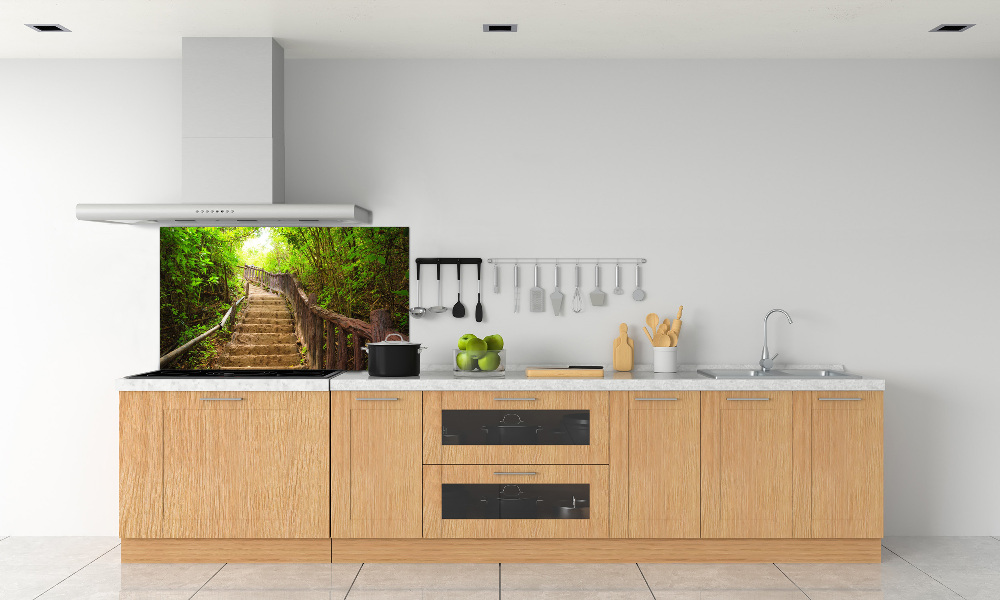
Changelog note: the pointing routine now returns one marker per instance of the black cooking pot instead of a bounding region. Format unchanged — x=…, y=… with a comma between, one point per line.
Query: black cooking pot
x=393, y=358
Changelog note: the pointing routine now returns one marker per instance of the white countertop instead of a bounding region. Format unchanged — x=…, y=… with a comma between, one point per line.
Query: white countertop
x=640, y=379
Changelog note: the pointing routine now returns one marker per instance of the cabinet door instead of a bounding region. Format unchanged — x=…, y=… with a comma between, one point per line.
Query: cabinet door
x=847, y=464
x=376, y=465
x=663, y=458
x=246, y=465
x=140, y=468
x=746, y=481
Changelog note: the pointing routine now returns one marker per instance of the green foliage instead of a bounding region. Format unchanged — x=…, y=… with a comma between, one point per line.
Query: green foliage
x=352, y=270
x=199, y=281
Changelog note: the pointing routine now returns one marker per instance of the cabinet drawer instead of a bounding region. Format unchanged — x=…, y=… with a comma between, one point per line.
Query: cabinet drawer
x=515, y=501
x=240, y=400
x=516, y=427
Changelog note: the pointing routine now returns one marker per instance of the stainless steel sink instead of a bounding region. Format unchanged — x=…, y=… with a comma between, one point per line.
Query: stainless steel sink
x=777, y=374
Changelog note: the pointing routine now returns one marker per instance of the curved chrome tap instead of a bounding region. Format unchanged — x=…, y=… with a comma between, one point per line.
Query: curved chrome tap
x=766, y=360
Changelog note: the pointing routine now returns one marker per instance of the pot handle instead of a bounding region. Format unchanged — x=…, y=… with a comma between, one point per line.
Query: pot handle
x=421, y=349
x=364, y=348
x=400, y=336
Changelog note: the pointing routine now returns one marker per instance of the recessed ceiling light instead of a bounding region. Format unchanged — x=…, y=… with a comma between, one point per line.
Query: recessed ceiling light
x=50, y=27
x=507, y=27
x=952, y=27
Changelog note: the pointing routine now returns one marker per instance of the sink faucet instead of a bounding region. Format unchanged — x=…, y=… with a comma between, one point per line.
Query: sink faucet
x=766, y=360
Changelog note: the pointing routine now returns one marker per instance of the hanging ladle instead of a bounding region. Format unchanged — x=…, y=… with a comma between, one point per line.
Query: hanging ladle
x=439, y=308
x=418, y=311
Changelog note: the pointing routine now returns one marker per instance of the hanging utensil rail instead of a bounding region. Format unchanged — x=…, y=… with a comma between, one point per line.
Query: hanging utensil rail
x=566, y=261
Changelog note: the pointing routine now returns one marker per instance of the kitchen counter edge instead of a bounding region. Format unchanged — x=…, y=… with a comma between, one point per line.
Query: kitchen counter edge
x=445, y=381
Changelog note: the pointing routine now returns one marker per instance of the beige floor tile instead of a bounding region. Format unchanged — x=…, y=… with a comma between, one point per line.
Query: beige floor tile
x=714, y=577
x=136, y=577
x=568, y=577
x=841, y=577
x=424, y=594
x=234, y=576
x=25, y=582
x=426, y=581
x=750, y=595
x=67, y=551
x=271, y=594
x=958, y=552
x=971, y=584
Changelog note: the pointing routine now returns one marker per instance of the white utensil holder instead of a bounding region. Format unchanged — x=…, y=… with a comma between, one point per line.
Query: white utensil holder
x=664, y=359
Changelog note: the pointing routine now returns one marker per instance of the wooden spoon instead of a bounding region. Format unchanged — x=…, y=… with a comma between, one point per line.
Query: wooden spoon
x=661, y=338
x=653, y=321
x=649, y=336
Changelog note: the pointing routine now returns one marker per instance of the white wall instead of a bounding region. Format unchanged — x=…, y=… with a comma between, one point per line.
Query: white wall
x=860, y=196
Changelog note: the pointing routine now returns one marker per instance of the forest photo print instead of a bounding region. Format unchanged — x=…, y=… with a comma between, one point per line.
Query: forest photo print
x=345, y=272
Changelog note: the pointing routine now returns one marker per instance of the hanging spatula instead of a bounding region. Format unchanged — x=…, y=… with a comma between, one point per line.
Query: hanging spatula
x=556, y=296
x=597, y=297
x=536, y=295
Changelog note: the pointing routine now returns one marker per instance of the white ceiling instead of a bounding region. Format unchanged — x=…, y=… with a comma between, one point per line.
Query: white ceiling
x=546, y=28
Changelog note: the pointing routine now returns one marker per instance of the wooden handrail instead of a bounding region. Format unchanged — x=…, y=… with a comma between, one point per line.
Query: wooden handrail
x=316, y=325
x=171, y=356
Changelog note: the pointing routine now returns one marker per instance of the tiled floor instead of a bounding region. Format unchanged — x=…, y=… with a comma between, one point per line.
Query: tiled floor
x=913, y=568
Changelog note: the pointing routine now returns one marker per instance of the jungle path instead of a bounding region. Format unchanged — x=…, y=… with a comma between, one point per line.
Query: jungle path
x=265, y=336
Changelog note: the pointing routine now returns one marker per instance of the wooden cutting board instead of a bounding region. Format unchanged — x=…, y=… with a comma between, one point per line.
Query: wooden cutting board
x=623, y=350
x=563, y=372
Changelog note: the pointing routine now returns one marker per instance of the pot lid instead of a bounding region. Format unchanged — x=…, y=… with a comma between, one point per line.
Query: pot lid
x=389, y=342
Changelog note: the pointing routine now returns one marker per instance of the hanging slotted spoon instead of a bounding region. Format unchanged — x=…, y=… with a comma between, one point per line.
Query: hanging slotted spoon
x=459, y=310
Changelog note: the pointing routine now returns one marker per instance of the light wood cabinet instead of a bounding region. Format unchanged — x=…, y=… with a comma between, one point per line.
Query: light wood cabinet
x=663, y=464
x=843, y=497
x=375, y=483
x=225, y=465
x=746, y=465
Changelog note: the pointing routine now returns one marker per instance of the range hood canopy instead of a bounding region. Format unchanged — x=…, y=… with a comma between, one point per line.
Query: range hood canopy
x=233, y=145
x=287, y=215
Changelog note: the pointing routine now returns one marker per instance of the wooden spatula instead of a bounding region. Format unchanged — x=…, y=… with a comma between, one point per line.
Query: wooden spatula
x=661, y=338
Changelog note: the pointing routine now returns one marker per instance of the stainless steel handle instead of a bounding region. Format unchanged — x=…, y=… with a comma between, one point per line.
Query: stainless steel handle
x=656, y=399
x=224, y=399
x=514, y=473
x=757, y=399
x=377, y=399
x=846, y=399
x=515, y=399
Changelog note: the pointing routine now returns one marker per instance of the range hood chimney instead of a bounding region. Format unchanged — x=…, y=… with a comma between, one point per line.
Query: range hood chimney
x=233, y=144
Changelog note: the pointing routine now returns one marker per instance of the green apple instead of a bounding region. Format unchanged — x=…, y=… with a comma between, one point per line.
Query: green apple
x=465, y=361
x=476, y=347
x=490, y=361
x=462, y=341
x=494, y=342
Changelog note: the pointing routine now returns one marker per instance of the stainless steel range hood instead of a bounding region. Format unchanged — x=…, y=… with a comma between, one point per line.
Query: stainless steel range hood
x=233, y=168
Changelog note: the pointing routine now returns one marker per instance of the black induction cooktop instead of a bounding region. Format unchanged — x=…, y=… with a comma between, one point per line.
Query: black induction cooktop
x=239, y=374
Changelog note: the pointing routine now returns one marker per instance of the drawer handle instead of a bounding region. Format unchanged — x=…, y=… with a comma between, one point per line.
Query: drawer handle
x=514, y=473
x=840, y=399
x=656, y=399
x=515, y=399
x=743, y=399
x=223, y=399
x=377, y=399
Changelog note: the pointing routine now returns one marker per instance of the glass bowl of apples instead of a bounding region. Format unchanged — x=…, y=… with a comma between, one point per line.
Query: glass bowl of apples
x=476, y=357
